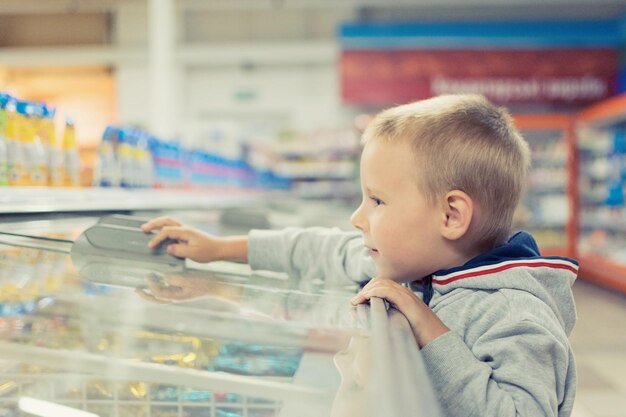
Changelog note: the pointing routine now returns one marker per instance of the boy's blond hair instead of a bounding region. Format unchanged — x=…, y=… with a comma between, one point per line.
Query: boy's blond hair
x=463, y=142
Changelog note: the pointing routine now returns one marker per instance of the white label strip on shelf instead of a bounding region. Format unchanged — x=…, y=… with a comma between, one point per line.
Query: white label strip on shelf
x=47, y=199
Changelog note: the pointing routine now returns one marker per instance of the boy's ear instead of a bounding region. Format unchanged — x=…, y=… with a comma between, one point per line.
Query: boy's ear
x=459, y=210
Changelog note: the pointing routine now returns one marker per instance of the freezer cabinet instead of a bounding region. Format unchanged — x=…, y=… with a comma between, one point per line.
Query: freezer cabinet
x=218, y=341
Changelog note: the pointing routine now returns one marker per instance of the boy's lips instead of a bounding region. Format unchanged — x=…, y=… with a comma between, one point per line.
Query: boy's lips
x=371, y=251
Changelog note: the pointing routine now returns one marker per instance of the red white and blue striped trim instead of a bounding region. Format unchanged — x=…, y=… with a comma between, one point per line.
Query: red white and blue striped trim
x=555, y=263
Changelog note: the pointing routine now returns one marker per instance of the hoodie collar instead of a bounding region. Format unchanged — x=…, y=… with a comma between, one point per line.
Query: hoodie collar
x=520, y=251
x=517, y=265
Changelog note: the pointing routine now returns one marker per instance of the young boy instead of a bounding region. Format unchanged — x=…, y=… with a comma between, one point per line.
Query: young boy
x=440, y=180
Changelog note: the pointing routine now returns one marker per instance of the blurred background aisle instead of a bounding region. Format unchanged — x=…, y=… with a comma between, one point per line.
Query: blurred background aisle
x=599, y=341
x=250, y=112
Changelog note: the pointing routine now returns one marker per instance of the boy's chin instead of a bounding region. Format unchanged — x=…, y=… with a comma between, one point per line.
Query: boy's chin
x=392, y=276
x=397, y=276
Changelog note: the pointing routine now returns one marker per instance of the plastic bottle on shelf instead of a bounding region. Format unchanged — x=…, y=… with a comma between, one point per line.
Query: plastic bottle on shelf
x=125, y=155
x=54, y=155
x=144, y=166
x=15, y=157
x=136, y=156
x=171, y=163
x=107, y=168
x=34, y=151
x=4, y=157
x=19, y=173
x=183, y=154
x=71, y=162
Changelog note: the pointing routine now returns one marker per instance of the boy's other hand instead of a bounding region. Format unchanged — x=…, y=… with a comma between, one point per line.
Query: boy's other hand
x=190, y=243
x=159, y=223
x=425, y=324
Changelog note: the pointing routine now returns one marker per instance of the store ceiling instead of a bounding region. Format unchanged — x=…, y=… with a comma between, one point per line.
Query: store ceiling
x=376, y=9
x=43, y=23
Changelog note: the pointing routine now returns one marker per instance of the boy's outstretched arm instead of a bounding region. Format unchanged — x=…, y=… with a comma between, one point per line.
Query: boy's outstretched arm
x=194, y=244
x=330, y=254
x=425, y=324
x=309, y=253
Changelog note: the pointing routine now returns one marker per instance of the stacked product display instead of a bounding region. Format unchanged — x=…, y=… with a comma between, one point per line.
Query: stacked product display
x=546, y=209
x=318, y=165
x=130, y=157
x=30, y=154
x=322, y=164
x=602, y=185
x=576, y=200
x=602, y=180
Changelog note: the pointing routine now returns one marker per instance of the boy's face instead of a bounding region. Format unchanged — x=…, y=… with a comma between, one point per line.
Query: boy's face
x=400, y=226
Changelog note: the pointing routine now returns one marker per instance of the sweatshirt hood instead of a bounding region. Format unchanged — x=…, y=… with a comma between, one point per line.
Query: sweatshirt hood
x=518, y=265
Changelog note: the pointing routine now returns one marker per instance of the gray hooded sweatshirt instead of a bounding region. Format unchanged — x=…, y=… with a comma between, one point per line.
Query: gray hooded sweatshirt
x=509, y=310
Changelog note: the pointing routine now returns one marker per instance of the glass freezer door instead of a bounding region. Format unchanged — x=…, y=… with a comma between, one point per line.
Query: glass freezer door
x=129, y=341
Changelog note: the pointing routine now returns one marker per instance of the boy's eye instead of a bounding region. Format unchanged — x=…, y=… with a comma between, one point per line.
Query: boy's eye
x=377, y=201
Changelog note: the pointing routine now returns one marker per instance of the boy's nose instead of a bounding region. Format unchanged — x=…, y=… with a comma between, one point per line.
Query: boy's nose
x=357, y=218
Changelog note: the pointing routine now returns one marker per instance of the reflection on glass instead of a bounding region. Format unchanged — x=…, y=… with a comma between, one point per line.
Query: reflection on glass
x=354, y=365
x=117, y=337
x=57, y=322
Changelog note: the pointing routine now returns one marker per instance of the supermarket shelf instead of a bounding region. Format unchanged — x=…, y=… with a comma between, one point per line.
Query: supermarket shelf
x=543, y=121
x=547, y=160
x=600, y=270
x=72, y=55
x=605, y=113
x=605, y=225
x=562, y=125
x=23, y=200
x=562, y=252
x=535, y=224
x=549, y=189
x=223, y=53
x=593, y=267
x=592, y=202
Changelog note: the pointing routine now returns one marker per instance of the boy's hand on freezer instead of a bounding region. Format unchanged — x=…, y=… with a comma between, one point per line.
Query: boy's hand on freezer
x=159, y=223
x=425, y=324
x=194, y=244
x=189, y=243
